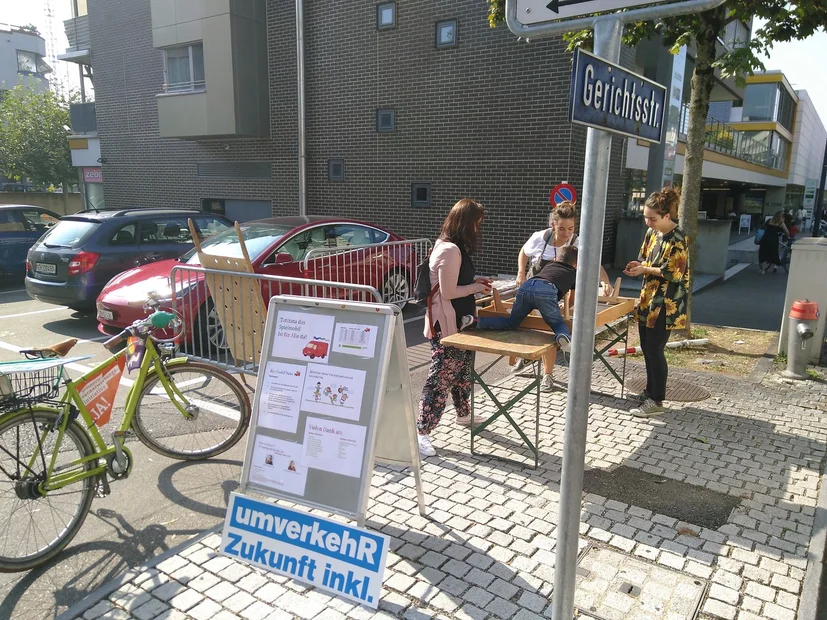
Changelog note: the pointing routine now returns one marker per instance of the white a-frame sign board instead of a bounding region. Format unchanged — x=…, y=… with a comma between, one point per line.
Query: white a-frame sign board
x=333, y=395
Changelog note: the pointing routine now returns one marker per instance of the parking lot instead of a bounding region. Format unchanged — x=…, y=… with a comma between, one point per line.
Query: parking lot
x=161, y=504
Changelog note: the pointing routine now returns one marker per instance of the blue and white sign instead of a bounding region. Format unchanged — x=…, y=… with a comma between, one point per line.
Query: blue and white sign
x=607, y=96
x=347, y=561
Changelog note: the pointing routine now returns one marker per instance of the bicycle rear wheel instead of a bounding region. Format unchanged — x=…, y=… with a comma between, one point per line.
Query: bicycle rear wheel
x=219, y=407
x=34, y=528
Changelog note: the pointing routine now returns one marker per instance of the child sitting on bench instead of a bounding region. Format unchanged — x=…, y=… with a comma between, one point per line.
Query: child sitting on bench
x=543, y=292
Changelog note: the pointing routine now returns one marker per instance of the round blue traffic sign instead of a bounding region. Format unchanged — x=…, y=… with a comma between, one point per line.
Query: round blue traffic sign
x=562, y=193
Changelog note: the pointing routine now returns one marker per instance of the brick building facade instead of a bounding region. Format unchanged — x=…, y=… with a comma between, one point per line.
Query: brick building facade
x=486, y=119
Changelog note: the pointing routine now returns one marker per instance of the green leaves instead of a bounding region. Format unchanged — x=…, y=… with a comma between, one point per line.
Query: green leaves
x=33, y=136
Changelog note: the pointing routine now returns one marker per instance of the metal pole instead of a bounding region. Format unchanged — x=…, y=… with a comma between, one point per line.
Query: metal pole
x=300, y=78
x=607, y=39
x=818, y=208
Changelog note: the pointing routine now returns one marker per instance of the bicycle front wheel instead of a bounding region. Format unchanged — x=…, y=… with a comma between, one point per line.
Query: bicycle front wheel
x=218, y=412
x=35, y=527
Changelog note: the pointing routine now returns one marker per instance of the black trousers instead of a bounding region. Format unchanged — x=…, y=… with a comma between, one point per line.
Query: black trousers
x=653, y=342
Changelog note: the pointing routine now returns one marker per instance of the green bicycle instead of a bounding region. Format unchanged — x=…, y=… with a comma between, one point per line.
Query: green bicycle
x=53, y=460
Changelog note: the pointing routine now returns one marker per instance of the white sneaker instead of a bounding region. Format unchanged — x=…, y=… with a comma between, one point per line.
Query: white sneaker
x=648, y=409
x=425, y=446
x=521, y=366
x=564, y=342
x=465, y=420
x=547, y=384
x=468, y=320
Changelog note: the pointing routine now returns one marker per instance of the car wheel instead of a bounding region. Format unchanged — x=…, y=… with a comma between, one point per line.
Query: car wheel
x=396, y=289
x=209, y=335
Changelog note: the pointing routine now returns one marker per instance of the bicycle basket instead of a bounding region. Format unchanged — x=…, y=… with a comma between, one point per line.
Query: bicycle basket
x=23, y=384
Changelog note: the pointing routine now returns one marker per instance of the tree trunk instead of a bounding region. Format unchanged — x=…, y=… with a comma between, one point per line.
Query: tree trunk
x=703, y=79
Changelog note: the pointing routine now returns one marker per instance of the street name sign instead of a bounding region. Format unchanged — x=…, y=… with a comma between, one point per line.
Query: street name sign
x=607, y=96
x=538, y=11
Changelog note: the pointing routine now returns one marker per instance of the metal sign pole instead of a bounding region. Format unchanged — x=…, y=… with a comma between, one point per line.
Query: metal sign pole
x=607, y=40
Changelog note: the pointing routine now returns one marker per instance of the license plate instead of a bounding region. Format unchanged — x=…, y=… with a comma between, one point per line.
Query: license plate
x=45, y=268
x=106, y=315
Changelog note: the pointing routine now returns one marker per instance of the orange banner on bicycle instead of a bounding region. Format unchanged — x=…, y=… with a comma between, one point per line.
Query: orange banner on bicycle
x=98, y=391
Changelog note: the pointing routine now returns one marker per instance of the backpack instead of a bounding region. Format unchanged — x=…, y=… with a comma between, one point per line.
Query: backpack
x=423, y=289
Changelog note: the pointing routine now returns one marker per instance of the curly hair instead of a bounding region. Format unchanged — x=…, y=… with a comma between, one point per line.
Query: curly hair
x=564, y=211
x=462, y=225
x=664, y=202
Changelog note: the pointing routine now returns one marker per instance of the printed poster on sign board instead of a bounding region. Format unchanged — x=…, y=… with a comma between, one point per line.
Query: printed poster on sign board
x=98, y=391
x=334, y=391
x=302, y=336
x=277, y=464
x=334, y=446
x=281, y=389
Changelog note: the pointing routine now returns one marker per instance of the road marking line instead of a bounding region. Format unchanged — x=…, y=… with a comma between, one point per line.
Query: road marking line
x=21, y=290
x=414, y=318
x=11, y=316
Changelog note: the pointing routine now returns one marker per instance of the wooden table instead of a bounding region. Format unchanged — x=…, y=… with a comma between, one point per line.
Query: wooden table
x=524, y=343
x=612, y=314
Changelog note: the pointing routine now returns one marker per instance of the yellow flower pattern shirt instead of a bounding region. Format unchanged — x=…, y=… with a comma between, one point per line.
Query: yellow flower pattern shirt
x=667, y=292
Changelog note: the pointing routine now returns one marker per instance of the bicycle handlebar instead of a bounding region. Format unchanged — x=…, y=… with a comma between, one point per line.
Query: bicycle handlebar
x=157, y=320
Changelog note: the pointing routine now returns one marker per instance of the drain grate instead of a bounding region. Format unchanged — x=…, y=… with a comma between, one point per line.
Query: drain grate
x=677, y=390
x=614, y=586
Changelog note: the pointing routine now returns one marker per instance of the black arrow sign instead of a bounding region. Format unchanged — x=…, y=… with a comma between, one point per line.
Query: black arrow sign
x=555, y=5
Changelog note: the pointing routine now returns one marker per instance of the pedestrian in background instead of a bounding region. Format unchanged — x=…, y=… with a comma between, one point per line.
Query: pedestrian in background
x=664, y=265
x=452, y=269
x=768, y=247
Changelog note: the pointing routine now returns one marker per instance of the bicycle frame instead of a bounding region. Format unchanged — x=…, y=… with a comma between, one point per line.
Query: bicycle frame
x=71, y=473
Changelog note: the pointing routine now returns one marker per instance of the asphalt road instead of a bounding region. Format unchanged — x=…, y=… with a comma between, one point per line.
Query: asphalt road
x=749, y=299
x=163, y=502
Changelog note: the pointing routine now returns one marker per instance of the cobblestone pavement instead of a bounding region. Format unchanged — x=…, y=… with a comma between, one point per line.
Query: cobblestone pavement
x=487, y=549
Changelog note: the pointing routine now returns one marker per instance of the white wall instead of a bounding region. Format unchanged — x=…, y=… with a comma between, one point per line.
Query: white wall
x=10, y=42
x=809, y=139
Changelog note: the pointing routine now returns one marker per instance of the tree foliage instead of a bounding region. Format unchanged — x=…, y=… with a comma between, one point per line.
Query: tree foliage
x=781, y=21
x=33, y=136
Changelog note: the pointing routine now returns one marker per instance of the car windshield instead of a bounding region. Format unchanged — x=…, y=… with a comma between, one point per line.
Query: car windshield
x=68, y=233
x=258, y=237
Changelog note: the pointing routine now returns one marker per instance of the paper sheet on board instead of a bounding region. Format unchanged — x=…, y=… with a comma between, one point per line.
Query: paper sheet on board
x=333, y=446
x=302, y=336
x=334, y=391
x=354, y=339
x=277, y=464
x=280, y=399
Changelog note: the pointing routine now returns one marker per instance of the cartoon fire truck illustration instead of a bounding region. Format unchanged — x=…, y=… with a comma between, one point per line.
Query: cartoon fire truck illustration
x=316, y=348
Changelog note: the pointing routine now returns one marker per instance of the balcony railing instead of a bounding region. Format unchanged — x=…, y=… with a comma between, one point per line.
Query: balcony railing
x=722, y=138
x=77, y=31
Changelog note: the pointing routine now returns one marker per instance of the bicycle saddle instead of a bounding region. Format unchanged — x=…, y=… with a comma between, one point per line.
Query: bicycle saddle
x=56, y=350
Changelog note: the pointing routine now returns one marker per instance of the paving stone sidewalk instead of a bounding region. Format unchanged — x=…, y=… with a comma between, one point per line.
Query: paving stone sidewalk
x=487, y=549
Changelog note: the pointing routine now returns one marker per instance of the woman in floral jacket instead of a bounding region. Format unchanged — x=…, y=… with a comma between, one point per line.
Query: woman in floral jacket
x=663, y=263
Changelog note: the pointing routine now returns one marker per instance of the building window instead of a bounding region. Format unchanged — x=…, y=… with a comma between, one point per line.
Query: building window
x=386, y=16
x=336, y=169
x=184, y=68
x=385, y=120
x=446, y=33
x=421, y=195
x=31, y=62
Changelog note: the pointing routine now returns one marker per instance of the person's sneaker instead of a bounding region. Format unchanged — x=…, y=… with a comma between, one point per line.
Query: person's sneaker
x=521, y=366
x=547, y=383
x=426, y=448
x=639, y=397
x=648, y=409
x=469, y=321
x=564, y=342
x=465, y=420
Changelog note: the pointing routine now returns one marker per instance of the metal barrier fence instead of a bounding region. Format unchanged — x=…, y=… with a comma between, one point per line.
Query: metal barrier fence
x=206, y=338
x=390, y=267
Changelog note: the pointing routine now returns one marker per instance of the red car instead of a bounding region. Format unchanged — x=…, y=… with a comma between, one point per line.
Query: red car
x=277, y=246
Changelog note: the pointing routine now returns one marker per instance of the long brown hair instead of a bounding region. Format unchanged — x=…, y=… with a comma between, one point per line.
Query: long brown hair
x=462, y=225
x=665, y=202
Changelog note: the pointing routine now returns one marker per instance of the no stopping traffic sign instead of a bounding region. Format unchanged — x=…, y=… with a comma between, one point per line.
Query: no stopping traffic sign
x=561, y=193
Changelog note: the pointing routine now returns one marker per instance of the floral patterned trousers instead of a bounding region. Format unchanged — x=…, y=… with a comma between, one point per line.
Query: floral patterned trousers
x=450, y=373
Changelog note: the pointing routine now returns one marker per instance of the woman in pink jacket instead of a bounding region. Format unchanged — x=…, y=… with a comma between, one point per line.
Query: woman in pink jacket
x=452, y=268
